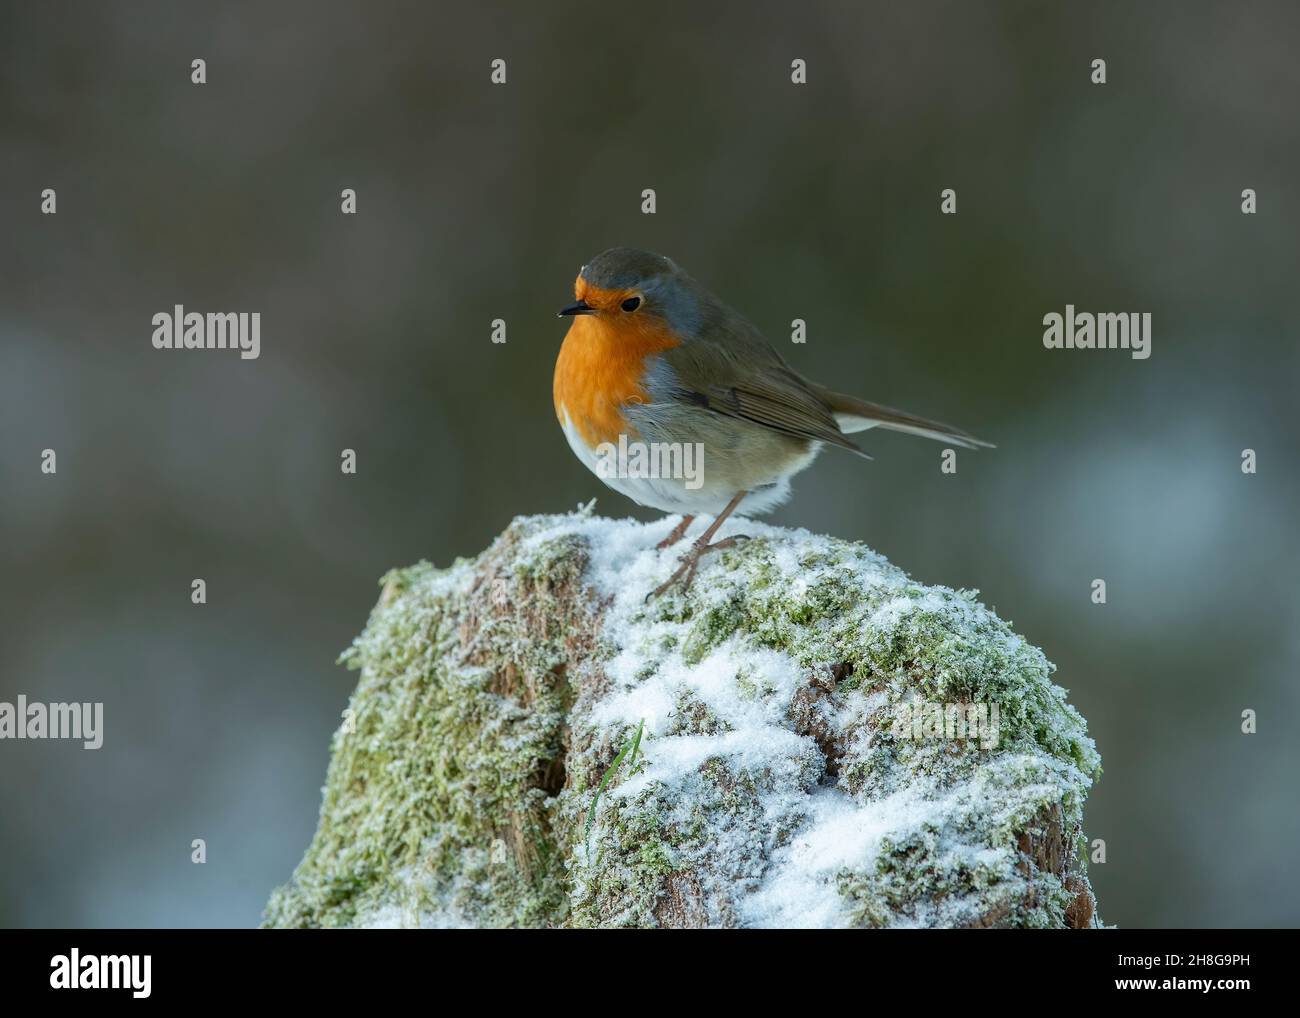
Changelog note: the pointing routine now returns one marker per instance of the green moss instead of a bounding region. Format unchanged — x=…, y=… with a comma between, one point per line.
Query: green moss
x=446, y=762
x=459, y=790
x=621, y=886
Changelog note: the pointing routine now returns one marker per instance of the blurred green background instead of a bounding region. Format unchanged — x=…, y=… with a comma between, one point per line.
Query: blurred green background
x=479, y=202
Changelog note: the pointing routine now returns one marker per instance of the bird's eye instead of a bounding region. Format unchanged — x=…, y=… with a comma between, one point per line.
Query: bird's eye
x=631, y=304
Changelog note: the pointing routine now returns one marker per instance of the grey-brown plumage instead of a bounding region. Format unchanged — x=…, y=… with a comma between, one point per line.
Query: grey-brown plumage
x=724, y=386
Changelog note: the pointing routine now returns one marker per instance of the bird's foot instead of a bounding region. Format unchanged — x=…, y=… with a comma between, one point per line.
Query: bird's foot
x=685, y=573
x=678, y=532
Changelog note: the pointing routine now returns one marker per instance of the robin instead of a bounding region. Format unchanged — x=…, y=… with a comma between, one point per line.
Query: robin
x=653, y=361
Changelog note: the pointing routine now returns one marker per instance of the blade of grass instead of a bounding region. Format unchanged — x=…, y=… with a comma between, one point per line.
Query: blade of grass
x=630, y=748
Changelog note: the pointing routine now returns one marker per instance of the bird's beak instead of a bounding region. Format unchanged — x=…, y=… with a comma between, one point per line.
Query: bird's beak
x=580, y=307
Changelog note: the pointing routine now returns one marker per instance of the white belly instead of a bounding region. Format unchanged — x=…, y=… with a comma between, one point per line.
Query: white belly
x=701, y=492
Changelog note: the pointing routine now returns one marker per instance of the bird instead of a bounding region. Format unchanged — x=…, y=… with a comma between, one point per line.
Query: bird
x=653, y=362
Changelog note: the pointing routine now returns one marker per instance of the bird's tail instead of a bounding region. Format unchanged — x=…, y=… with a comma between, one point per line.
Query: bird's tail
x=853, y=414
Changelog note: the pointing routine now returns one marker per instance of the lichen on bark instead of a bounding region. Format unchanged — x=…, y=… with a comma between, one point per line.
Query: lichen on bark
x=774, y=785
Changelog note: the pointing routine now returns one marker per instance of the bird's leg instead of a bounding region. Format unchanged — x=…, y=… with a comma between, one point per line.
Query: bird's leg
x=691, y=560
x=678, y=533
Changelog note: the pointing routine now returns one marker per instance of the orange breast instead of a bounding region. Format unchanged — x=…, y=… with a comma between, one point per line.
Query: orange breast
x=600, y=370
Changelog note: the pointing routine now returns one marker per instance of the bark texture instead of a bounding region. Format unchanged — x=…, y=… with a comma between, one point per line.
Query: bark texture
x=800, y=761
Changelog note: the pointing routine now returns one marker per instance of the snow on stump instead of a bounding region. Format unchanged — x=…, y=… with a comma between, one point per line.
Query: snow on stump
x=805, y=738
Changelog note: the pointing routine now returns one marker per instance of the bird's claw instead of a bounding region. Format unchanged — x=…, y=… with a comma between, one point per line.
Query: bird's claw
x=685, y=572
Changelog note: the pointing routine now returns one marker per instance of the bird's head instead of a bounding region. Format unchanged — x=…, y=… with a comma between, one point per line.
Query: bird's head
x=634, y=291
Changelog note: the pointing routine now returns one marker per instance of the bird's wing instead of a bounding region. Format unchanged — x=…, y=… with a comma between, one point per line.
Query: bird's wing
x=746, y=379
